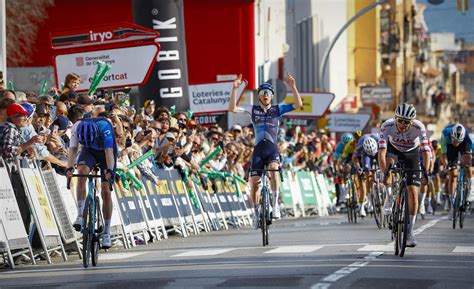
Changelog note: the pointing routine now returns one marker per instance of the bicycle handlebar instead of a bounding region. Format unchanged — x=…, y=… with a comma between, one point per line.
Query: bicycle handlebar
x=68, y=184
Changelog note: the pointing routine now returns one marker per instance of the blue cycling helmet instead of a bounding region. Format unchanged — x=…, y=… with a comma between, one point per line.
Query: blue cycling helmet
x=264, y=86
x=87, y=132
x=347, y=137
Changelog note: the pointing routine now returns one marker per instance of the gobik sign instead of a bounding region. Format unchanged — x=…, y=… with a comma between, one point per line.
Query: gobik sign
x=129, y=49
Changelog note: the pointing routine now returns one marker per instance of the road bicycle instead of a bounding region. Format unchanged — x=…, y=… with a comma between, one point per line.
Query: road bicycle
x=459, y=199
x=92, y=221
x=400, y=209
x=263, y=209
x=377, y=196
x=351, y=202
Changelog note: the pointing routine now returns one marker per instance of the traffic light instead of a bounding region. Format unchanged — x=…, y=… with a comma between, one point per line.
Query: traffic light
x=463, y=5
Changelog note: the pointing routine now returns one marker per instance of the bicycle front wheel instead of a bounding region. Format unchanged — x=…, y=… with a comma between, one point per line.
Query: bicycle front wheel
x=463, y=205
x=403, y=222
x=354, y=203
x=378, y=215
x=263, y=216
x=95, y=245
x=87, y=232
x=456, y=208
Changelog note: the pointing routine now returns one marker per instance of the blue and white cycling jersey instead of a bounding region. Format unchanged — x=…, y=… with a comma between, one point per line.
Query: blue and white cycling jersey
x=446, y=138
x=266, y=124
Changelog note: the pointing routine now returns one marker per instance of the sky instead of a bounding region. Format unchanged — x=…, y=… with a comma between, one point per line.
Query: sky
x=447, y=18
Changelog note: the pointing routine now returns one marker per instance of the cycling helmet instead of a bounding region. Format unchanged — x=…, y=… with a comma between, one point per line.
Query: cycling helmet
x=458, y=132
x=87, y=132
x=405, y=111
x=347, y=137
x=266, y=86
x=370, y=146
x=434, y=143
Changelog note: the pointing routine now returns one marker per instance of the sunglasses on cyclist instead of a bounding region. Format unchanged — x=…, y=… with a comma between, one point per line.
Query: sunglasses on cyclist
x=265, y=92
x=403, y=121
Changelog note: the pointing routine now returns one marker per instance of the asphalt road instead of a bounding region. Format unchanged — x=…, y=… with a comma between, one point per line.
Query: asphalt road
x=303, y=253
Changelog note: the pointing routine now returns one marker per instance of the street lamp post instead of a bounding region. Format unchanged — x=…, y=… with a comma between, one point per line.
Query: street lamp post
x=322, y=68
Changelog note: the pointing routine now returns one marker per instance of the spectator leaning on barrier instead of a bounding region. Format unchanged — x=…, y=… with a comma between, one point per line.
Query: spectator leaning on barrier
x=41, y=118
x=10, y=144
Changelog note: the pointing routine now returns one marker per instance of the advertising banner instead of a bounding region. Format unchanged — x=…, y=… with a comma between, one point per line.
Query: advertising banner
x=212, y=97
x=9, y=210
x=348, y=122
x=380, y=95
x=314, y=104
x=168, y=84
x=126, y=68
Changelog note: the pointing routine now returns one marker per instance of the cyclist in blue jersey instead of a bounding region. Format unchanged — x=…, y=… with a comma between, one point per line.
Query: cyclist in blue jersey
x=455, y=141
x=364, y=159
x=265, y=118
x=98, y=147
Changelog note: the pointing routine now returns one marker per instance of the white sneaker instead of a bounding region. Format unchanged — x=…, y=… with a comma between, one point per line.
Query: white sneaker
x=422, y=209
x=387, y=206
x=429, y=208
x=276, y=212
x=362, y=211
x=77, y=224
x=106, y=241
x=411, y=242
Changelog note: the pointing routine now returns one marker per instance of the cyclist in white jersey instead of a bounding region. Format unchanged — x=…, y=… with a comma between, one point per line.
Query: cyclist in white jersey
x=265, y=118
x=403, y=137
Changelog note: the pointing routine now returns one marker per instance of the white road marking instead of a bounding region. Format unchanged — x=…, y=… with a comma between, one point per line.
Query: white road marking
x=293, y=249
x=118, y=256
x=371, y=248
x=428, y=225
x=464, y=249
x=210, y=252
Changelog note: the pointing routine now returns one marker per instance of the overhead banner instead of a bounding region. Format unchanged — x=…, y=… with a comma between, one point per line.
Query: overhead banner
x=212, y=97
x=347, y=122
x=314, y=104
x=168, y=84
x=380, y=95
x=127, y=69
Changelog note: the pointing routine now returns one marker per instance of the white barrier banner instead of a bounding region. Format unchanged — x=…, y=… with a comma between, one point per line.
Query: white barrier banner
x=9, y=210
x=40, y=202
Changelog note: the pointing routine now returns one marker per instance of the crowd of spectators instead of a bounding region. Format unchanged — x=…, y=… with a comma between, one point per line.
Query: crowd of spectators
x=39, y=127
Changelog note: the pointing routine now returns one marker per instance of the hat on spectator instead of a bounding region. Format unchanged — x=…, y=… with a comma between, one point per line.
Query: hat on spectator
x=84, y=99
x=236, y=127
x=62, y=122
x=46, y=99
x=70, y=95
x=30, y=108
x=192, y=123
x=41, y=109
x=170, y=135
x=14, y=109
x=148, y=102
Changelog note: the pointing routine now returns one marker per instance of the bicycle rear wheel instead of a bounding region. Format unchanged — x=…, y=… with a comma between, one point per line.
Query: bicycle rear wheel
x=87, y=232
x=95, y=245
x=403, y=222
x=263, y=216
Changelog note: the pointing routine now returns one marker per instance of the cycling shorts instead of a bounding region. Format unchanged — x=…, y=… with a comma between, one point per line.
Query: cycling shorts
x=264, y=153
x=411, y=160
x=91, y=157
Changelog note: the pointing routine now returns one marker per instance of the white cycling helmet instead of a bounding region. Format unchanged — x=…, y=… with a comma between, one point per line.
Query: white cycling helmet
x=370, y=146
x=405, y=111
x=458, y=132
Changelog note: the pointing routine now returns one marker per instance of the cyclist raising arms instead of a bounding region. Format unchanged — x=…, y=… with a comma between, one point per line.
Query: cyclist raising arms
x=403, y=137
x=96, y=136
x=265, y=118
x=455, y=141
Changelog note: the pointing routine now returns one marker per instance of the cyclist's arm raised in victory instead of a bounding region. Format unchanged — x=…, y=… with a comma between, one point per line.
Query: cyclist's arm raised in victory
x=292, y=83
x=233, y=95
